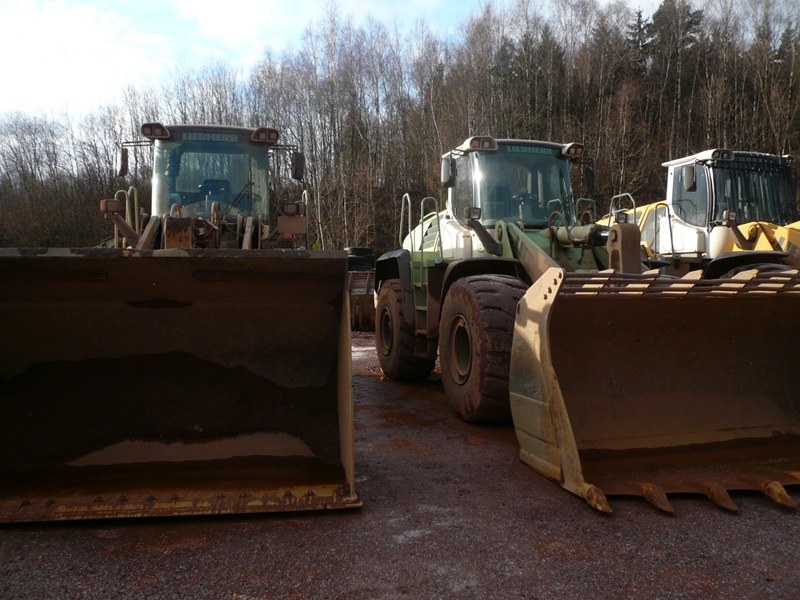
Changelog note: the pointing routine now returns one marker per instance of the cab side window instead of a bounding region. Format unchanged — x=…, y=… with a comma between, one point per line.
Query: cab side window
x=691, y=205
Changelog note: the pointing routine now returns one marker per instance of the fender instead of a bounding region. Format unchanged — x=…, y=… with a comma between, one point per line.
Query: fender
x=394, y=265
x=481, y=266
x=731, y=260
x=439, y=286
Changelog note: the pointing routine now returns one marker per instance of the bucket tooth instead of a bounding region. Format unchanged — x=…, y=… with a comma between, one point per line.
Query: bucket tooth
x=777, y=492
x=597, y=499
x=720, y=496
x=656, y=496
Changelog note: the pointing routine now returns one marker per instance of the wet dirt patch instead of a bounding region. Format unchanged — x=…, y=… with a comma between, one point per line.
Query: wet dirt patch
x=405, y=445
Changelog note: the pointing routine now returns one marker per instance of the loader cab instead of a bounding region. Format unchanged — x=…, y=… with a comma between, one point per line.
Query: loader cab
x=703, y=188
x=757, y=187
x=509, y=180
x=197, y=166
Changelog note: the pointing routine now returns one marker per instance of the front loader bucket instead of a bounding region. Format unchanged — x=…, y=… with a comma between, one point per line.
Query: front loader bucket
x=171, y=382
x=639, y=385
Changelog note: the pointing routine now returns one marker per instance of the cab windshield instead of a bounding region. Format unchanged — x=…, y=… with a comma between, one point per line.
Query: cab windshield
x=194, y=171
x=522, y=183
x=757, y=189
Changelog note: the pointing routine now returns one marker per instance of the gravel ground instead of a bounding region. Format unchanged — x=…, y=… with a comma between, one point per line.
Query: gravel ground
x=449, y=512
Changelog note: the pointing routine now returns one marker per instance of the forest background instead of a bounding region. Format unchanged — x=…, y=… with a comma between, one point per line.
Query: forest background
x=374, y=110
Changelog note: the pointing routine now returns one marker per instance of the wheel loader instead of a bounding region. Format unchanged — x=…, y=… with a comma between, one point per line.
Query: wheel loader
x=619, y=380
x=199, y=366
x=724, y=210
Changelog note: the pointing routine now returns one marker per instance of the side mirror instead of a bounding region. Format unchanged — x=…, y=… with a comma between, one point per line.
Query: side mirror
x=122, y=162
x=589, y=174
x=448, y=172
x=298, y=165
x=689, y=179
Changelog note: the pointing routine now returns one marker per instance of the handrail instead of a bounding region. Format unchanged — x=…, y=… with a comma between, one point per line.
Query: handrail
x=405, y=201
x=406, y=221
x=131, y=215
x=424, y=216
x=304, y=200
x=591, y=203
x=613, y=209
x=656, y=227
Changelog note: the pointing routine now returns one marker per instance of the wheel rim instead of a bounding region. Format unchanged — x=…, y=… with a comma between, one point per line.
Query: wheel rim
x=385, y=330
x=460, y=350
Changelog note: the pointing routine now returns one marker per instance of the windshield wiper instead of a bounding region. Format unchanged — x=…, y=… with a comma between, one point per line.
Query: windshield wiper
x=236, y=200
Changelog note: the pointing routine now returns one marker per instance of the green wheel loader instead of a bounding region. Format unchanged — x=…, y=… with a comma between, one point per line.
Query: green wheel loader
x=618, y=381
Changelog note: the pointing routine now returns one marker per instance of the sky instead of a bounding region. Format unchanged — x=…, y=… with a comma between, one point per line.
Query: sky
x=74, y=56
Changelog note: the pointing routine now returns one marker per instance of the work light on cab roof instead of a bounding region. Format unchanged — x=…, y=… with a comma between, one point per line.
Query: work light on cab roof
x=722, y=154
x=266, y=135
x=573, y=150
x=479, y=142
x=155, y=131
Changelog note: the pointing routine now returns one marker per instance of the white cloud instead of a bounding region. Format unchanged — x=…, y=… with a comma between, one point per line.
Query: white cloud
x=66, y=56
x=241, y=29
x=76, y=55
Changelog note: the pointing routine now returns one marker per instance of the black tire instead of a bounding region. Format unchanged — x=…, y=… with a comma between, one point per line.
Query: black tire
x=475, y=334
x=394, y=338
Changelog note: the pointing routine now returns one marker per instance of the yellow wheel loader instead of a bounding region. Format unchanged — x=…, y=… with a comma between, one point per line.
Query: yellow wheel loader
x=201, y=368
x=618, y=381
x=724, y=210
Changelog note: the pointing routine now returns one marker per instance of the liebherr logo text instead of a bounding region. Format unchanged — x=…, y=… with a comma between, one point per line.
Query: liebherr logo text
x=792, y=249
